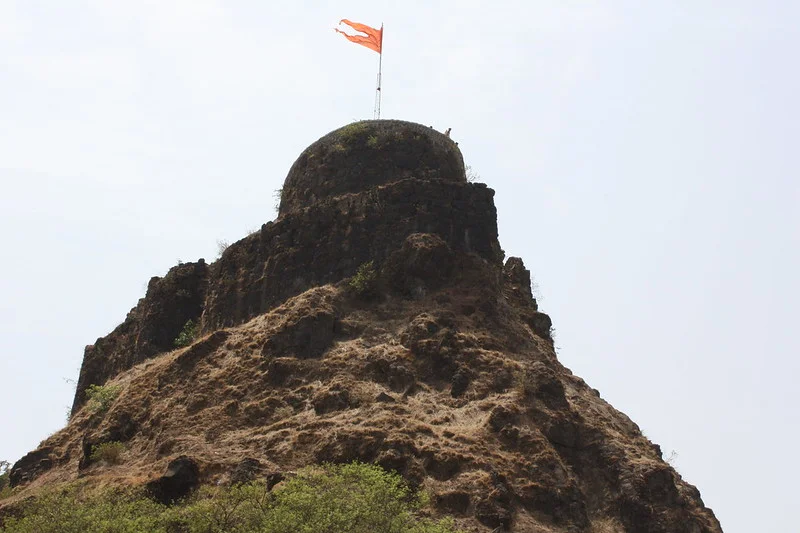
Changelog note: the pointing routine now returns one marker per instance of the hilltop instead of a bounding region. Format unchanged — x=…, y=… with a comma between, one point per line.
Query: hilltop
x=376, y=319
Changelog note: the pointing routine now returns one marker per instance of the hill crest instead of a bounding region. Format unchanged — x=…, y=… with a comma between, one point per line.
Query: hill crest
x=439, y=365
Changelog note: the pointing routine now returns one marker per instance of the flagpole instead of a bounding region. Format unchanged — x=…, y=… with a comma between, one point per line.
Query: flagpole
x=376, y=113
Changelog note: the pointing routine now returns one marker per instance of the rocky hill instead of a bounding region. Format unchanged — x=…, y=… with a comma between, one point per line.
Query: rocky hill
x=376, y=320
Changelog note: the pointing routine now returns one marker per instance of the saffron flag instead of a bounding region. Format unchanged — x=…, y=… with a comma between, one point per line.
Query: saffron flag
x=373, y=39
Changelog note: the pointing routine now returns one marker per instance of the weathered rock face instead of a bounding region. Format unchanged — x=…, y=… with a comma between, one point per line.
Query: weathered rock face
x=351, y=197
x=444, y=371
x=365, y=154
x=149, y=329
x=329, y=240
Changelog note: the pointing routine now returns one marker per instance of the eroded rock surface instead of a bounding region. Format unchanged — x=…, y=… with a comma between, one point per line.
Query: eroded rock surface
x=446, y=374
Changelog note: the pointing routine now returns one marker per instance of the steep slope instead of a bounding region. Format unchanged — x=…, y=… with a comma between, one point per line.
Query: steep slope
x=438, y=366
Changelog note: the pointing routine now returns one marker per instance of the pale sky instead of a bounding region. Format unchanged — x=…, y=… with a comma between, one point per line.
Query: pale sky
x=644, y=157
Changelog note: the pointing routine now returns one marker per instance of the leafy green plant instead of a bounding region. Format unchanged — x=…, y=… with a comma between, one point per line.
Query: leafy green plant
x=187, y=334
x=363, y=283
x=107, y=452
x=67, y=510
x=372, y=141
x=356, y=498
x=101, y=397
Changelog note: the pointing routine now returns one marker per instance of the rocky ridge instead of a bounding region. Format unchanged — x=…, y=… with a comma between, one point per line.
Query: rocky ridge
x=442, y=369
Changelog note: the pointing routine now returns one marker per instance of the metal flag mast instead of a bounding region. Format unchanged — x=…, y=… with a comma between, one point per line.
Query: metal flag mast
x=376, y=112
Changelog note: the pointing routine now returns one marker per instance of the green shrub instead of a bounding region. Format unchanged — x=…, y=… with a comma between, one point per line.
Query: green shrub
x=65, y=510
x=101, y=397
x=354, y=498
x=109, y=452
x=187, y=334
x=363, y=283
x=241, y=508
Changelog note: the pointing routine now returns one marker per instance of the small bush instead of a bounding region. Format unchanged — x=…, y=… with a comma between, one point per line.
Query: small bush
x=372, y=141
x=363, y=283
x=107, y=452
x=101, y=397
x=187, y=334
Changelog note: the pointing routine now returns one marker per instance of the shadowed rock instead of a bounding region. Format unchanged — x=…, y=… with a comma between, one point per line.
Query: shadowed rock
x=181, y=477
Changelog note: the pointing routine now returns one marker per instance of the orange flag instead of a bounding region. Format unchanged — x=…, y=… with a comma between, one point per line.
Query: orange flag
x=373, y=40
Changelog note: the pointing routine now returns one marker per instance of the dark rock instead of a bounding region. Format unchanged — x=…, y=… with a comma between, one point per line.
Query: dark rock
x=328, y=241
x=31, y=466
x=517, y=282
x=279, y=370
x=441, y=466
x=459, y=383
x=149, y=329
x=86, y=452
x=122, y=428
x=502, y=380
x=423, y=263
x=362, y=446
x=493, y=513
x=502, y=416
x=660, y=486
x=563, y=431
x=496, y=509
x=542, y=383
x=394, y=460
x=453, y=501
x=384, y=398
x=540, y=323
x=202, y=349
x=562, y=505
x=328, y=401
x=273, y=478
x=247, y=470
x=381, y=151
x=181, y=477
x=309, y=335
x=395, y=374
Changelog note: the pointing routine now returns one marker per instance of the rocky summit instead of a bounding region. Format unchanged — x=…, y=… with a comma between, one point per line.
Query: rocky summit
x=374, y=320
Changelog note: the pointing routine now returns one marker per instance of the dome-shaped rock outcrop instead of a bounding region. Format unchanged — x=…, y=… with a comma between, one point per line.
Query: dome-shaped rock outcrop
x=364, y=154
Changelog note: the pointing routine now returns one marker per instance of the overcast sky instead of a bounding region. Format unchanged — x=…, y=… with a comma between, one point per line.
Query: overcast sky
x=644, y=157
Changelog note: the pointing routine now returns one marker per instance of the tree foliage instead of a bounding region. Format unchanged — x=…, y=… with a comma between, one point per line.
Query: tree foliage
x=351, y=498
x=101, y=397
